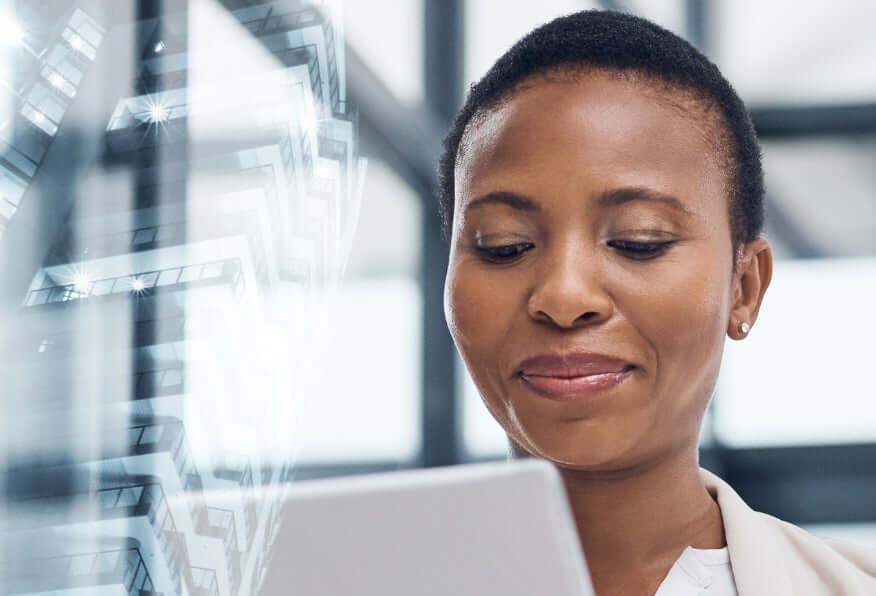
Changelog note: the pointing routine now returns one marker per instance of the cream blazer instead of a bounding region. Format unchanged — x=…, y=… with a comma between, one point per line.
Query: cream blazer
x=770, y=557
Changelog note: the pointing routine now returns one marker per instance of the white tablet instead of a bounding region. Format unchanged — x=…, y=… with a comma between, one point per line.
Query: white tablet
x=474, y=530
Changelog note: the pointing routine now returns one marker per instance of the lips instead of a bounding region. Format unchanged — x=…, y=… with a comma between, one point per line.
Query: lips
x=571, y=376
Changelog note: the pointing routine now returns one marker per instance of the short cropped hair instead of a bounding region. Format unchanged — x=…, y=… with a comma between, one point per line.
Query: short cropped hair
x=616, y=42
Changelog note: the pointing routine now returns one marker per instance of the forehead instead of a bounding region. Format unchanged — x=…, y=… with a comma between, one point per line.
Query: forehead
x=593, y=132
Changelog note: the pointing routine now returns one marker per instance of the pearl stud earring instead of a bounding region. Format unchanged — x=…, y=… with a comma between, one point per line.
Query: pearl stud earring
x=744, y=327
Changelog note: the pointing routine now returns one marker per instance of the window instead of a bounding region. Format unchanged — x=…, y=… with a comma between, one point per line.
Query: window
x=800, y=378
x=820, y=196
x=819, y=54
x=485, y=41
x=144, y=236
x=369, y=374
x=388, y=36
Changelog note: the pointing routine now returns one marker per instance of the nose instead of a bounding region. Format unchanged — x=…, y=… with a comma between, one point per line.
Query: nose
x=570, y=291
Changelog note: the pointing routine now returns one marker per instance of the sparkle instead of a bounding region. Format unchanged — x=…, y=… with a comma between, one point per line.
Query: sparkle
x=157, y=113
x=81, y=283
x=138, y=285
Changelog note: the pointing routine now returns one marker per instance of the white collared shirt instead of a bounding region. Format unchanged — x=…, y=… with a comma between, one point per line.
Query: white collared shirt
x=700, y=572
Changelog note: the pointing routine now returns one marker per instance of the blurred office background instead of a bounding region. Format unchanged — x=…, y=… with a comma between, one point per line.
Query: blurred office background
x=221, y=268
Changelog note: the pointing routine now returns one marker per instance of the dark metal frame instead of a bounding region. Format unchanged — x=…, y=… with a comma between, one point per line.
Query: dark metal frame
x=802, y=484
x=443, y=73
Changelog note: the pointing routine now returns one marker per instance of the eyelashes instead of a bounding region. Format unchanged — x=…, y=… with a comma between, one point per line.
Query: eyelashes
x=506, y=253
x=636, y=251
x=640, y=251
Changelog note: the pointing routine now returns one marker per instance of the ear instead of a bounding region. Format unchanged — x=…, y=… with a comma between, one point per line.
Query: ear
x=754, y=270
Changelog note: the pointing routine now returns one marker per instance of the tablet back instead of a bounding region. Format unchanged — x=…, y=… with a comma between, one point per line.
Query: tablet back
x=481, y=529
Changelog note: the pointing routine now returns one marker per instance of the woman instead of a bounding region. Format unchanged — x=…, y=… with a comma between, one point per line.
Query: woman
x=603, y=194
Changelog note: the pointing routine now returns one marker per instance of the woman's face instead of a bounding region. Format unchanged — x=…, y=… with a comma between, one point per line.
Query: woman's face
x=591, y=268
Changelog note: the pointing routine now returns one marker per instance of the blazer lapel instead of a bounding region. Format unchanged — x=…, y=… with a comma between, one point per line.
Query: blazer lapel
x=755, y=555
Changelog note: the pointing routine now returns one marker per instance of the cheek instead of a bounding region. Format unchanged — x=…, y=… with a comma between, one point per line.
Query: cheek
x=689, y=310
x=685, y=319
x=467, y=296
x=480, y=314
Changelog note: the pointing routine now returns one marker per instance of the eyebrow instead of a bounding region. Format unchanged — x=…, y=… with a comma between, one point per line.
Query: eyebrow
x=504, y=197
x=620, y=196
x=608, y=198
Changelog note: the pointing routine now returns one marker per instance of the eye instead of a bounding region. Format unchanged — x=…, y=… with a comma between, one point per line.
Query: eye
x=640, y=251
x=505, y=253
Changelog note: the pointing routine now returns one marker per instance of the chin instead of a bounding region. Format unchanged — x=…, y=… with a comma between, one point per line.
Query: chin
x=579, y=445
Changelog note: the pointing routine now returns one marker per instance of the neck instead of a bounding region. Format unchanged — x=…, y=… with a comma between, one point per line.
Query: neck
x=633, y=524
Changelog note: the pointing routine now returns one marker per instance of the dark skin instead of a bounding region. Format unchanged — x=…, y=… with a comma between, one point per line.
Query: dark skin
x=591, y=216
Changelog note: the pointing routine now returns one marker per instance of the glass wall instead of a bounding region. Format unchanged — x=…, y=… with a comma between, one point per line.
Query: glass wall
x=189, y=301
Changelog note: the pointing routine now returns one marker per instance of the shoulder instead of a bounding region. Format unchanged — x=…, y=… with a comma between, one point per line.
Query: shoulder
x=770, y=556
x=813, y=561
